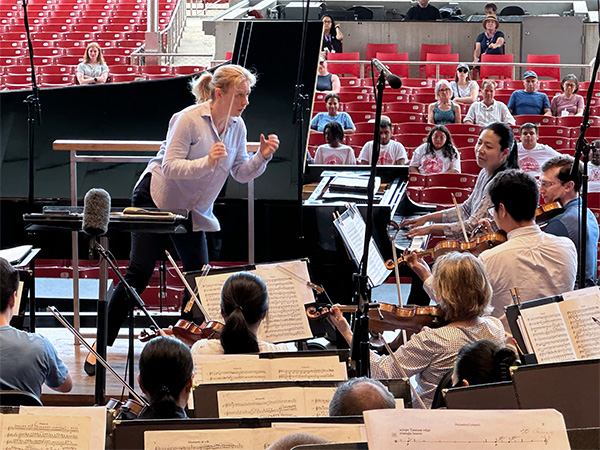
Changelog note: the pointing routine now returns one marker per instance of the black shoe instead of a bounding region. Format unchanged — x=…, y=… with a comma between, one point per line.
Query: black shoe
x=89, y=368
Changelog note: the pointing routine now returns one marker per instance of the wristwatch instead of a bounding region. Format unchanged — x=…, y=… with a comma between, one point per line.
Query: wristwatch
x=95, y=79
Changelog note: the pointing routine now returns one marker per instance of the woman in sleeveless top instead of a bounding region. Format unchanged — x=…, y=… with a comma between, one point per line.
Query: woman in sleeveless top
x=327, y=83
x=443, y=111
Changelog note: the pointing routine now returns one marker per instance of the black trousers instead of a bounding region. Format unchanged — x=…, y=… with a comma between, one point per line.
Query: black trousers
x=145, y=247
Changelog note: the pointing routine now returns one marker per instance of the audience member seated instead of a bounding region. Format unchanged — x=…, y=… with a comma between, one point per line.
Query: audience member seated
x=594, y=168
x=491, y=41
x=495, y=151
x=538, y=263
x=430, y=353
x=93, y=69
x=483, y=362
x=531, y=154
x=437, y=155
x=244, y=304
x=569, y=103
x=464, y=89
x=444, y=111
x=166, y=376
x=334, y=152
x=391, y=152
x=27, y=360
x=327, y=82
x=489, y=109
x=360, y=394
x=332, y=101
x=556, y=184
x=332, y=35
x=293, y=440
x=490, y=9
x=529, y=100
x=422, y=12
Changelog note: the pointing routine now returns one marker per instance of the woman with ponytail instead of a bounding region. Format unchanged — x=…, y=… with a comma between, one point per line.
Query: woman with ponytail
x=205, y=143
x=244, y=304
x=166, y=375
x=495, y=151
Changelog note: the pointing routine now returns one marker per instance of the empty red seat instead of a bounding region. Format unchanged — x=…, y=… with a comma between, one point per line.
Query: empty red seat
x=125, y=77
x=69, y=60
x=56, y=80
x=469, y=166
x=359, y=107
x=399, y=117
x=359, y=139
x=136, y=35
x=413, y=128
x=443, y=196
x=57, y=70
x=37, y=60
x=12, y=52
x=412, y=140
x=534, y=118
x=455, y=180
x=445, y=70
x=463, y=128
x=432, y=48
x=554, y=131
x=57, y=28
x=46, y=36
x=391, y=96
x=18, y=70
x=400, y=70
x=406, y=107
x=18, y=78
x=464, y=140
x=351, y=97
x=107, y=36
x=74, y=51
x=421, y=97
x=352, y=69
x=187, y=70
x=155, y=70
x=555, y=142
x=156, y=76
x=124, y=69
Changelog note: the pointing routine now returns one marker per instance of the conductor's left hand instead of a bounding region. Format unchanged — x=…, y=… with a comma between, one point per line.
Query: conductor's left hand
x=269, y=145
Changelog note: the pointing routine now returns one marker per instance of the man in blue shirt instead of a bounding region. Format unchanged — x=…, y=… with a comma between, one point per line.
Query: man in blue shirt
x=557, y=185
x=27, y=360
x=529, y=100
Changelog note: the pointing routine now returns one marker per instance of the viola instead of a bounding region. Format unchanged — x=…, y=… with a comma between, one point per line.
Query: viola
x=188, y=332
x=387, y=317
x=546, y=212
x=124, y=410
x=475, y=247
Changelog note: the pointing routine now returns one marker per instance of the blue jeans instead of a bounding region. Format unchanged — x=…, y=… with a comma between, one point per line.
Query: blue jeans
x=191, y=248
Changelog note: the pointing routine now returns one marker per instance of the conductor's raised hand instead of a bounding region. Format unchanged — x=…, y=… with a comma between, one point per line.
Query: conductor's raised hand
x=216, y=152
x=268, y=146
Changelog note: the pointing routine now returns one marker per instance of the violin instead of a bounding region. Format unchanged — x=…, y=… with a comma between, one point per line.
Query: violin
x=387, y=317
x=124, y=410
x=476, y=247
x=187, y=331
x=546, y=212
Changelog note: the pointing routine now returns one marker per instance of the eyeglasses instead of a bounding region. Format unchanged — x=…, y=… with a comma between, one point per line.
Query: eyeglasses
x=491, y=211
x=463, y=70
x=327, y=21
x=547, y=184
x=321, y=63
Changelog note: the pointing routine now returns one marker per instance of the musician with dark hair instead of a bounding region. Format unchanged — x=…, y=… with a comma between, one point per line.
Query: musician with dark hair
x=27, y=360
x=244, y=305
x=482, y=362
x=166, y=376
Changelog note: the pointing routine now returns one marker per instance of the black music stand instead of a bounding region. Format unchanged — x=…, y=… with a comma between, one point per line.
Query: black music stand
x=70, y=218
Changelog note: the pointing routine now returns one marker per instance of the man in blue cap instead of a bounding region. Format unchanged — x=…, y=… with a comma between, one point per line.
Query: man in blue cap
x=529, y=100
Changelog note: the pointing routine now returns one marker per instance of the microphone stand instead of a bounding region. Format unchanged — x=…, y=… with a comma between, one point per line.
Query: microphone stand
x=135, y=300
x=34, y=109
x=582, y=151
x=301, y=106
x=359, y=351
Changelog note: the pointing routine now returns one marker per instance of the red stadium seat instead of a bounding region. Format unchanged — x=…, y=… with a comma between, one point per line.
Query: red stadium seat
x=397, y=69
x=124, y=70
x=413, y=128
x=575, y=121
x=68, y=60
x=350, y=97
x=364, y=127
x=37, y=60
x=469, y=166
x=157, y=76
x=454, y=180
x=464, y=140
x=534, y=118
x=357, y=89
x=400, y=117
x=550, y=72
x=57, y=70
x=46, y=36
x=504, y=71
x=48, y=52
x=155, y=70
x=17, y=79
x=316, y=139
x=556, y=142
x=135, y=35
x=187, y=70
x=352, y=69
x=412, y=140
x=417, y=82
x=359, y=106
x=56, y=28
x=432, y=48
x=554, y=131
x=18, y=70
x=467, y=152
x=7, y=61
x=13, y=52
x=445, y=71
x=406, y=107
x=116, y=59
x=350, y=81
x=423, y=98
x=551, y=85
x=416, y=180
x=125, y=77
x=56, y=80
x=443, y=196
x=391, y=96
x=463, y=128
x=359, y=139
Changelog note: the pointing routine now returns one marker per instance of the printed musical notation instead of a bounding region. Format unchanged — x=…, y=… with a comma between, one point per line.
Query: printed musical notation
x=32, y=432
x=466, y=429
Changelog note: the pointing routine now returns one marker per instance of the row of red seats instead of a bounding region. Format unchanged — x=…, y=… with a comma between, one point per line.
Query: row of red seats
x=91, y=21
x=19, y=39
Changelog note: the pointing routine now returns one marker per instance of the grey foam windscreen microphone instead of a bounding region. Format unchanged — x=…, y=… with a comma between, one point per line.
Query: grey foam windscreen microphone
x=96, y=212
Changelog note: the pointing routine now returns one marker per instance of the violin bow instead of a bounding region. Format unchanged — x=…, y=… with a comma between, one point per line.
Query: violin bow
x=99, y=358
x=393, y=230
x=318, y=289
x=412, y=389
x=462, y=224
x=193, y=298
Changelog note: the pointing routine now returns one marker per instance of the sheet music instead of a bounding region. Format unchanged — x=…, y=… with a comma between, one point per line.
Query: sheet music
x=277, y=369
x=242, y=438
x=548, y=333
x=200, y=360
x=96, y=414
x=352, y=229
x=449, y=429
x=33, y=432
x=276, y=402
x=577, y=311
x=16, y=254
x=286, y=319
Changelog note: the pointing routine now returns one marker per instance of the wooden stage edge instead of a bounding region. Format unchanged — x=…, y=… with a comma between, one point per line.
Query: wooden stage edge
x=74, y=356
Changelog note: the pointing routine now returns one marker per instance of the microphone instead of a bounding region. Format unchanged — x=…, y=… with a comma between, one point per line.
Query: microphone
x=393, y=80
x=96, y=214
